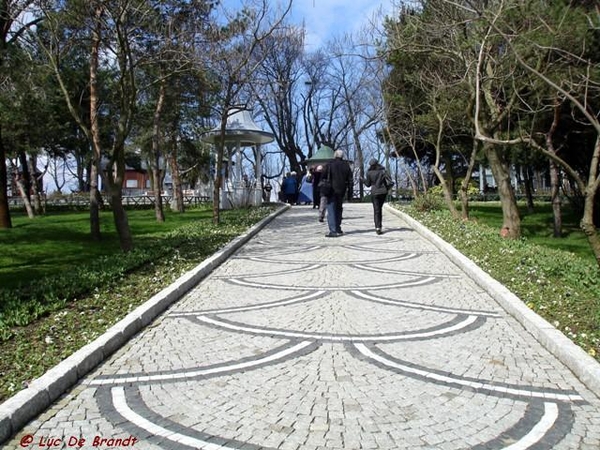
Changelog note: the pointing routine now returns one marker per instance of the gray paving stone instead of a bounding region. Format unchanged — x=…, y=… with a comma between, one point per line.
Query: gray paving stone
x=299, y=342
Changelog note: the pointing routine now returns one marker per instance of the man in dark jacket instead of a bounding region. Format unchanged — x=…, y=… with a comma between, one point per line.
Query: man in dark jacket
x=376, y=180
x=338, y=172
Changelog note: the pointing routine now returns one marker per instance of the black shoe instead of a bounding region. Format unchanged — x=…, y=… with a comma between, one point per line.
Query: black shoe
x=339, y=232
x=321, y=219
x=378, y=230
x=331, y=235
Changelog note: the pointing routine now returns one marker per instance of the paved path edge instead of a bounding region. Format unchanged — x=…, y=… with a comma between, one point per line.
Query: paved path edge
x=19, y=409
x=586, y=368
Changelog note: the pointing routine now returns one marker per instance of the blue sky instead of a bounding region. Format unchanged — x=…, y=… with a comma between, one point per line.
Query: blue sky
x=325, y=19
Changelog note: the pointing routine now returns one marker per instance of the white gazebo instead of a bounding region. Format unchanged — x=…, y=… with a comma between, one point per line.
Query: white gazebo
x=240, y=132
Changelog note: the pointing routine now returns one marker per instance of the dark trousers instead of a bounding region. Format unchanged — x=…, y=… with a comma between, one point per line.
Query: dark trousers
x=335, y=204
x=378, y=201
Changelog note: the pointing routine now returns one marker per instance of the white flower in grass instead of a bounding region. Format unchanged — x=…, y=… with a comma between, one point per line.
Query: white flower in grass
x=48, y=340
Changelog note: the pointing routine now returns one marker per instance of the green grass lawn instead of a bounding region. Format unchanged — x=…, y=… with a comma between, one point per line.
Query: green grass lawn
x=537, y=227
x=59, y=290
x=59, y=242
x=558, y=278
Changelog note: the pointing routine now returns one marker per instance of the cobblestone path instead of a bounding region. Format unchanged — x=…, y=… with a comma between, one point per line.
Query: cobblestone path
x=299, y=341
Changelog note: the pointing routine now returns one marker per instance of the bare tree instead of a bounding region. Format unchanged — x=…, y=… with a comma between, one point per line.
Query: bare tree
x=57, y=169
x=359, y=73
x=275, y=87
x=233, y=58
x=323, y=115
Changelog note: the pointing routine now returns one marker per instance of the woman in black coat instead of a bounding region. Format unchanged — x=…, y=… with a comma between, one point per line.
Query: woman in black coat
x=376, y=180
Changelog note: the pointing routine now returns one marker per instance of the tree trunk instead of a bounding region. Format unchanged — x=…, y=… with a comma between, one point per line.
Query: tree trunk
x=511, y=221
x=589, y=228
x=95, y=126
x=177, y=204
x=22, y=186
x=5, y=219
x=436, y=169
x=464, y=187
x=157, y=188
x=528, y=183
x=447, y=194
x=217, y=186
x=555, y=198
x=94, y=203
x=25, y=176
x=59, y=180
x=587, y=222
x=37, y=200
x=413, y=184
x=449, y=174
x=220, y=144
x=420, y=169
x=115, y=177
x=155, y=158
x=121, y=221
x=82, y=168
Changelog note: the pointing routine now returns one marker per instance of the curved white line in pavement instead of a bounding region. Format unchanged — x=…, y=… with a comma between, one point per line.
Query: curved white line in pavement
x=459, y=381
x=333, y=337
x=271, y=252
x=402, y=272
x=306, y=268
x=283, y=302
x=402, y=257
x=120, y=403
x=332, y=288
x=203, y=372
x=539, y=430
x=421, y=306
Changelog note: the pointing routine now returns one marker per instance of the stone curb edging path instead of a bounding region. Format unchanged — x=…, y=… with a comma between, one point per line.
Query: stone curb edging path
x=298, y=341
x=28, y=403
x=586, y=368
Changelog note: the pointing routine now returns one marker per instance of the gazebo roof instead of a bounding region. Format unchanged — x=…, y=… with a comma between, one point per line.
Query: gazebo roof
x=324, y=154
x=241, y=129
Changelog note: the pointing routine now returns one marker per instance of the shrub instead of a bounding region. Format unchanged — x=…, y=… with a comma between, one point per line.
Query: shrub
x=428, y=202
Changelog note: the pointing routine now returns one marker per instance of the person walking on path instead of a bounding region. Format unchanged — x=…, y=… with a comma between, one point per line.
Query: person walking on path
x=339, y=175
x=377, y=179
x=290, y=188
x=319, y=201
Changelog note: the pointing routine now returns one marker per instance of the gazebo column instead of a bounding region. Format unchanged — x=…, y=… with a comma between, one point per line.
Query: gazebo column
x=258, y=175
x=240, y=131
x=225, y=174
x=238, y=164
